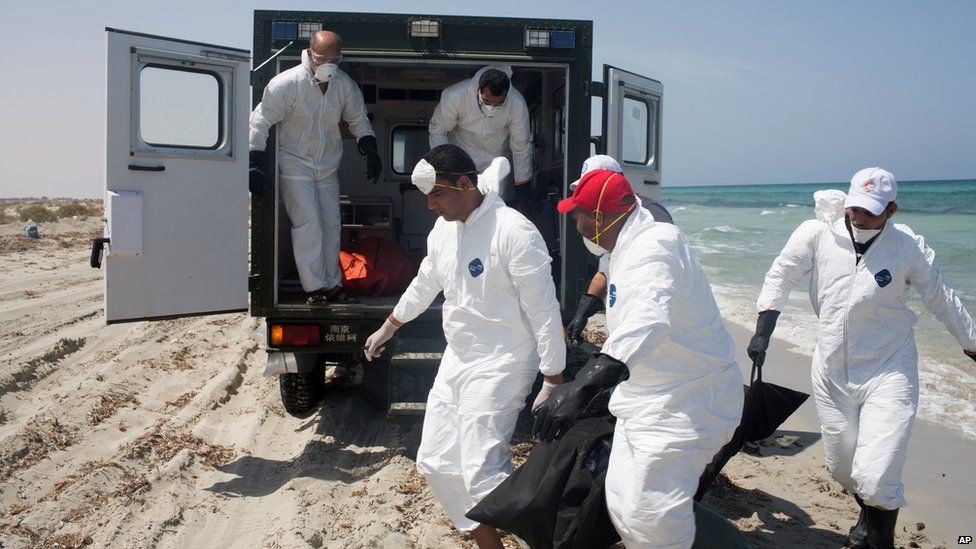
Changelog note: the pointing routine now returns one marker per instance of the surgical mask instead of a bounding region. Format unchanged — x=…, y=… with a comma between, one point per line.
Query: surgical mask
x=326, y=72
x=863, y=235
x=595, y=248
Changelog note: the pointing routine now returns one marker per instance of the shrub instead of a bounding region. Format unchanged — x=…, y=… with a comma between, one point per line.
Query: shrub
x=4, y=218
x=37, y=213
x=76, y=208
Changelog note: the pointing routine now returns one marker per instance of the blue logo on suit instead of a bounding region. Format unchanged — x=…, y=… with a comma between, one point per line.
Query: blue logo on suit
x=883, y=278
x=612, y=294
x=476, y=267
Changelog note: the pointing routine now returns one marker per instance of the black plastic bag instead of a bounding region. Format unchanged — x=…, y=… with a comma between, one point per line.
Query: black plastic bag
x=554, y=494
x=766, y=407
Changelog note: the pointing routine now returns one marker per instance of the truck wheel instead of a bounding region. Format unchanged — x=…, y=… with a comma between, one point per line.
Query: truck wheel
x=302, y=394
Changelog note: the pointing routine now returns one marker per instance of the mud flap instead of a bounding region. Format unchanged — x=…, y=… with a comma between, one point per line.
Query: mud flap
x=289, y=363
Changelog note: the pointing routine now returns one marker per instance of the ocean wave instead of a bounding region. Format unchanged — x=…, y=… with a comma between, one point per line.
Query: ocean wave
x=767, y=212
x=723, y=229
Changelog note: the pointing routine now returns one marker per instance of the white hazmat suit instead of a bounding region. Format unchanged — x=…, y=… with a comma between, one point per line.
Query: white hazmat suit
x=460, y=120
x=683, y=399
x=502, y=325
x=865, y=366
x=310, y=148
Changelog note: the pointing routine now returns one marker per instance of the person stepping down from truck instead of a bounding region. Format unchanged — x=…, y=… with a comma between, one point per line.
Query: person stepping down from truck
x=501, y=322
x=865, y=365
x=487, y=117
x=307, y=102
x=678, y=391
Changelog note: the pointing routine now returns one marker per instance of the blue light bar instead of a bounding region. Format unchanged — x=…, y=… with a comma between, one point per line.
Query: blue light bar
x=562, y=39
x=284, y=30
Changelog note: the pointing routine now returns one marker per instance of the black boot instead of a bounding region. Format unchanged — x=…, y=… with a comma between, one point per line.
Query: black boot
x=881, y=527
x=858, y=536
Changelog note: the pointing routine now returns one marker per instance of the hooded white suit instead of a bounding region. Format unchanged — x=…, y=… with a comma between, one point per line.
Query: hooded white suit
x=865, y=366
x=502, y=325
x=310, y=147
x=683, y=399
x=460, y=120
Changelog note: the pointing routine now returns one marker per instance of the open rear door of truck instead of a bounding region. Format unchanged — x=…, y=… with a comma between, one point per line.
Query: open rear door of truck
x=632, y=107
x=176, y=196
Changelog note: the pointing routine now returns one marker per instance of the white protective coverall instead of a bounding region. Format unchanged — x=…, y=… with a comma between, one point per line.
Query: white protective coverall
x=683, y=399
x=865, y=366
x=502, y=325
x=310, y=148
x=460, y=120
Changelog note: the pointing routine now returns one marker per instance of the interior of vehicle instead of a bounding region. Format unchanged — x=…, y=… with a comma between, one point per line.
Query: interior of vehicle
x=400, y=96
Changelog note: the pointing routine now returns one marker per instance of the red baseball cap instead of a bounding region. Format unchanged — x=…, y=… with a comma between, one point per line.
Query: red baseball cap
x=601, y=190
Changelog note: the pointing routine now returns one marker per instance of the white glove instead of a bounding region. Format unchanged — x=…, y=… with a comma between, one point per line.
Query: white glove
x=374, y=343
x=544, y=393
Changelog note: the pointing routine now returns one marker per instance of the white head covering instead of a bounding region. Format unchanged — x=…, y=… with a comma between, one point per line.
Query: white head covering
x=872, y=189
x=597, y=162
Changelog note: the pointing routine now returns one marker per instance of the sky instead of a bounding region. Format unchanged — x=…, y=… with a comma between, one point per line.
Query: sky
x=754, y=92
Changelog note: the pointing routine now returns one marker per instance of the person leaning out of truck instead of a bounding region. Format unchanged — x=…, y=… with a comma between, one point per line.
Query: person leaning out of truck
x=487, y=117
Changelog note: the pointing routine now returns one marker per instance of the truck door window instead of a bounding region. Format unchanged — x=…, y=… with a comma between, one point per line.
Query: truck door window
x=637, y=128
x=179, y=108
x=410, y=144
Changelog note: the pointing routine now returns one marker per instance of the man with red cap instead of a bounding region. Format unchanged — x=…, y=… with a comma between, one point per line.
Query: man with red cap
x=678, y=391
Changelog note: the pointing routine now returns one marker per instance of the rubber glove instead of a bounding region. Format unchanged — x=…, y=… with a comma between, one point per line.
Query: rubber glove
x=567, y=401
x=374, y=343
x=374, y=164
x=256, y=178
x=546, y=390
x=765, y=325
x=588, y=306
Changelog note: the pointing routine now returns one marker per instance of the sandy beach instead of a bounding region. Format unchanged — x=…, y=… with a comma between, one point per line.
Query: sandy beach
x=167, y=434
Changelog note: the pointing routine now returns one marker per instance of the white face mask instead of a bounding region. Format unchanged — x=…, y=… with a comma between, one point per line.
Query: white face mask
x=489, y=110
x=423, y=176
x=595, y=248
x=863, y=235
x=324, y=73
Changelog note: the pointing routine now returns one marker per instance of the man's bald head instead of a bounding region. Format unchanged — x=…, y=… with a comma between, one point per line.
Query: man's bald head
x=326, y=43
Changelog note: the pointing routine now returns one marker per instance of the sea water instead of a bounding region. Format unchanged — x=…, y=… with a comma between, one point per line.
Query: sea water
x=737, y=231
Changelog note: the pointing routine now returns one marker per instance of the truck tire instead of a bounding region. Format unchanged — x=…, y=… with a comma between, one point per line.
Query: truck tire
x=302, y=394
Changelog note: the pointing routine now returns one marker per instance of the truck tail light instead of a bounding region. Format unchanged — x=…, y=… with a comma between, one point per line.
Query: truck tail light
x=296, y=335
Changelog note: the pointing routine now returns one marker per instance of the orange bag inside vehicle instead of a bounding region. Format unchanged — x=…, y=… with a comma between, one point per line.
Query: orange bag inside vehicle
x=376, y=266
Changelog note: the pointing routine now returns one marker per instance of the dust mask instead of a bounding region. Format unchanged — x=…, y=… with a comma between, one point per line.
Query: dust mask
x=326, y=72
x=595, y=248
x=861, y=236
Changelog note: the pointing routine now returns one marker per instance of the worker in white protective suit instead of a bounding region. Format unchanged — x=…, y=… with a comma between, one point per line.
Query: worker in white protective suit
x=487, y=117
x=865, y=366
x=501, y=322
x=307, y=102
x=678, y=391
x=592, y=301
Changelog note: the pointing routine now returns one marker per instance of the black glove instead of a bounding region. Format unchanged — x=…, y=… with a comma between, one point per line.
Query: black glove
x=256, y=178
x=374, y=164
x=525, y=201
x=972, y=356
x=588, y=306
x=567, y=401
x=760, y=342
